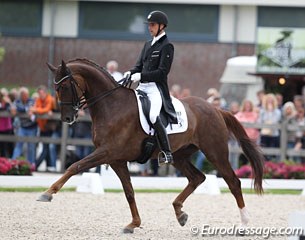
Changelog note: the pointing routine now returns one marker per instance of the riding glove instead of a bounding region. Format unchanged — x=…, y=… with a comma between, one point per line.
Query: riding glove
x=127, y=74
x=136, y=77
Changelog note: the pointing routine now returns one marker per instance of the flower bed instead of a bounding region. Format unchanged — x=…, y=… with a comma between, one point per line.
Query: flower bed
x=273, y=170
x=15, y=167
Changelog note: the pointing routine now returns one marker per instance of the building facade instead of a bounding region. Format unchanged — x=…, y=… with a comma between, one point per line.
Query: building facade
x=205, y=34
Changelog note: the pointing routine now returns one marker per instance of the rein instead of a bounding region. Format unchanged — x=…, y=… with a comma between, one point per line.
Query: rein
x=91, y=101
x=124, y=82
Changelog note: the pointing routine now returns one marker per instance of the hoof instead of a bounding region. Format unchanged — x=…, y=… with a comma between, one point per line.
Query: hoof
x=182, y=219
x=45, y=198
x=128, y=230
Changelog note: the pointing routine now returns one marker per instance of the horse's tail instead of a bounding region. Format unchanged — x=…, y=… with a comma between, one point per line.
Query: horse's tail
x=249, y=147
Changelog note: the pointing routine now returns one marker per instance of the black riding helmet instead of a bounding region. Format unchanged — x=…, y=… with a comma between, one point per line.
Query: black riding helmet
x=157, y=17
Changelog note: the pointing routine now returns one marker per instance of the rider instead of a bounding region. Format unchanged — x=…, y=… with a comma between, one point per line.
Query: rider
x=151, y=70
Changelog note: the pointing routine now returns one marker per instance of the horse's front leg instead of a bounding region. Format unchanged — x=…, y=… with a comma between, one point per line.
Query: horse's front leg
x=94, y=159
x=121, y=170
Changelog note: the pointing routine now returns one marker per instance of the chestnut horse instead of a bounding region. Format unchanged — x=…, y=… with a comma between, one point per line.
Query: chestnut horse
x=118, y=136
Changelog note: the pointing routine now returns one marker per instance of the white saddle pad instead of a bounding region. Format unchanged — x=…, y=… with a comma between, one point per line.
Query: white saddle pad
x=171, y=128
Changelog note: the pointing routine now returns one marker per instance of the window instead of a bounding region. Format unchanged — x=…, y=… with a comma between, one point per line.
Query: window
x=125, y=21
x=111, y=20
x=281, y=17
x=19, y=17
x=192, y=22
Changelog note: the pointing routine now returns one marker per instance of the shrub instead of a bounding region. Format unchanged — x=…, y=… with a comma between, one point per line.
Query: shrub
x=15, y=167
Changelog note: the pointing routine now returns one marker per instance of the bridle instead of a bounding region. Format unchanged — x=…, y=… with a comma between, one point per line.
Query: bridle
x=77, y=102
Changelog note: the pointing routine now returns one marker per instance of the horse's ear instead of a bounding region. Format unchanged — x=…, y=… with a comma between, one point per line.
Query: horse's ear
x=63, y=69
x=63, y=64
x=51, y=67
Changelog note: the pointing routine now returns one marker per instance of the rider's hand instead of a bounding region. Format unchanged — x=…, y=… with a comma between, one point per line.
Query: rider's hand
x=136, y=77
x=127, y=74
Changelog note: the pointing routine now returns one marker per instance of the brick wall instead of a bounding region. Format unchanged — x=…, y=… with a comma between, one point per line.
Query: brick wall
x=197, y=66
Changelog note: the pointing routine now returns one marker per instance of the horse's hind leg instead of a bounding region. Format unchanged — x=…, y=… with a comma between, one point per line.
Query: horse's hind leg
x=121, y=170
x=222, y=164
x=195, y=177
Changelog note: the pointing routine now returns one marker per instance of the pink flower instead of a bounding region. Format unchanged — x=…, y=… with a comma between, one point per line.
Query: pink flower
x=281, y=170
x=244, y=172
x=5, y=165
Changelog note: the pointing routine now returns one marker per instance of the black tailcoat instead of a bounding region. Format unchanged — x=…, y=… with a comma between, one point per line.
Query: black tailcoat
x=154, y=64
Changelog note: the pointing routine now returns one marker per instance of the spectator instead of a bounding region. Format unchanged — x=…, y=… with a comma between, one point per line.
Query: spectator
x=212, y=92
x=288, y=111
x=260, y=95
x=6, y=127
x=55, y=127
x=299, y=122
x=82, y=129
x=27, y=126
x=43, y=105
x=233, y=156
x=279, y=99
x=186, y=92
x=288, y=115
x=298, y=101
x=13, y=94
x=216, y=102
x=247, y=114
x=35, y=96
x=199, y=159
x=214, y=97
x=112, y=67
x=5, y=93
x=234, y=107
x=154, y=167
x=176, y=91
x=270, y=115
x=145, y=169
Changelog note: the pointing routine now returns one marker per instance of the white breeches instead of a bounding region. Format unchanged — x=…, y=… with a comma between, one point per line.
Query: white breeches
x=154, y=96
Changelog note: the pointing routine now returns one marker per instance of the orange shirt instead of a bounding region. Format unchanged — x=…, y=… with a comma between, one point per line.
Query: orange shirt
x=43, y=106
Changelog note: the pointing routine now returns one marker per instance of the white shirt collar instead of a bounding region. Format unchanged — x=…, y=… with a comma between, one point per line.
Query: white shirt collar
x=155, y=39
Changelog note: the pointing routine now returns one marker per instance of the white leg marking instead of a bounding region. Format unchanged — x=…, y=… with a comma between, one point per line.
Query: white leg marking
x=244, y=215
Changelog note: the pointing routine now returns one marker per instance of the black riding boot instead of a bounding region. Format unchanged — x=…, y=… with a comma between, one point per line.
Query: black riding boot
x=165, y=156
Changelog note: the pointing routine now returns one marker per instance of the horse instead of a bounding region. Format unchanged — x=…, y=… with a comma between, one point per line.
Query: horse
x=117, y=136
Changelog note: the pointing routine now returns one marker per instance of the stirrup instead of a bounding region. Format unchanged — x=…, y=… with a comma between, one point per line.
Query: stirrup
x=164, y=158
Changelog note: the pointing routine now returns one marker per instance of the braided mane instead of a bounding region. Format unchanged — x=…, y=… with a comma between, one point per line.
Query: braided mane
x=93, y=64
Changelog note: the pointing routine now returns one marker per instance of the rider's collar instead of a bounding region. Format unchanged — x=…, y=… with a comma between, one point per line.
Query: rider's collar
x=155, y=39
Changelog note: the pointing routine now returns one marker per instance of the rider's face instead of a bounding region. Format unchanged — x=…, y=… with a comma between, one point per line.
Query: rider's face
x=153, y=28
